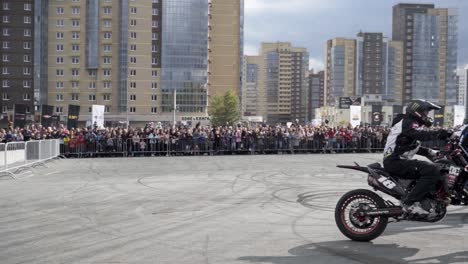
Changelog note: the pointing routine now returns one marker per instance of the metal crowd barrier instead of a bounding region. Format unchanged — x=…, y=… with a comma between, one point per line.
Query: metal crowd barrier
x=94, y=148
x=223, y=146
x=14, y=155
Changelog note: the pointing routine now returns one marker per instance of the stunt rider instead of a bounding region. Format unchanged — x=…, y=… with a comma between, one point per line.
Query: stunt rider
x=403, y=142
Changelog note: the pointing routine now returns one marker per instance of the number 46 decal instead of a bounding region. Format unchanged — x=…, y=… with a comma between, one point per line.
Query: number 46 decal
x=387, y=183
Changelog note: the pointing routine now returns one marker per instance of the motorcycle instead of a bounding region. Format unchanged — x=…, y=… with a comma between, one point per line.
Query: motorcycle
x=363, y=215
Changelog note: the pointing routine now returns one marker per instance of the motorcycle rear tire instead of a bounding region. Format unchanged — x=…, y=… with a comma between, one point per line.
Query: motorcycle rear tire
x=346, y=229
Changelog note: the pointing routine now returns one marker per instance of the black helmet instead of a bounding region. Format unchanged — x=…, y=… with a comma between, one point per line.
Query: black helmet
x=419, y=109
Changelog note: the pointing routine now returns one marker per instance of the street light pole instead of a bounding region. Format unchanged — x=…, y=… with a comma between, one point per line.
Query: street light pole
x=175, y=108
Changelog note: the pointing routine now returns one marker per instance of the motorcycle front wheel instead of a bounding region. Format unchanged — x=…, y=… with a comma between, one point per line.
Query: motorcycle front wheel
x=350, y=217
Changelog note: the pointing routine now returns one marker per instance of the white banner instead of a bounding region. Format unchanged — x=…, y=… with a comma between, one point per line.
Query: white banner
x=458, y=115
x=355, y=115
x=98, y=116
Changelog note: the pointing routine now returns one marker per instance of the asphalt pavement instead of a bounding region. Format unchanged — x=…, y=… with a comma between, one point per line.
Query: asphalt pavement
x=208, y=210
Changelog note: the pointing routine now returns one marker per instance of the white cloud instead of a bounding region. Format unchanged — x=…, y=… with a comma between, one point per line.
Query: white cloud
x=284, y=6
x=316, y=64
x=250, y=50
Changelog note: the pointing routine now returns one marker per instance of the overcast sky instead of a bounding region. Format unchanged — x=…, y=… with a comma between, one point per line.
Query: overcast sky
x=310, y=23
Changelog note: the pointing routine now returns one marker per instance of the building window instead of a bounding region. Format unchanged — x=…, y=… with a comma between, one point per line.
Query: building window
x=106, y=109
x=5, y=96
x=75, y=85
x=107, y=85
x=75, y=47
x=59, y=97
x=6, y=44
x=133, y=85
x=133, y=10
x=92, y=97
x=92, y=73
x=6, y=6
x=154, y=97
x=59, y=23
x=155, y=11
x=60, y=10
x=59, y=85
x=107, y=10
x=133, y=35
x=133, y=47
x=59, y=72
x=107, y=23
x=6, y=32
x=154, y=36
x=26, y=97
x=154, y=85
x=27, y=45
x=59, y=35
x=133, y=22
x=75, y=23
x=75, y=35
x=26, y=71
x=90, y=109
x=132, y=72
x=154, y=110
x=27, y=32
x=132, y=97
x=75, y=60
x=92, y=85
x=107, y=35
x=154, y=60
x=106, y=60
x=154, y=73
x=154, y=48
x=107, y=72
x=75, y=10
x=27, y=58
x=4, y=109
x=132, y=59
x=6, y=19
x=59, y=109
x=5, y=83
x=75, y=72
x=132, y=109
x=107, y=48
x=26, y=83
x=75, y=97
x=5, y=70
x=106, y=97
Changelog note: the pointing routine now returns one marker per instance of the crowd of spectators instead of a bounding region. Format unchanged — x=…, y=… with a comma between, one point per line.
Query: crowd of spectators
x=155, y=139
x=197, y=140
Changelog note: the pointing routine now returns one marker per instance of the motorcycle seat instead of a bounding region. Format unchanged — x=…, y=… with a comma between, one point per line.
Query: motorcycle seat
x=378, y=167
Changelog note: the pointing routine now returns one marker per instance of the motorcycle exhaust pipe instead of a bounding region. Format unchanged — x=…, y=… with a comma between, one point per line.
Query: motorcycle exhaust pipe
x=394, y=211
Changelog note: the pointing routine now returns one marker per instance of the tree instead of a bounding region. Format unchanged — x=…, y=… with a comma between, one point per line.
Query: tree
x=225, y=109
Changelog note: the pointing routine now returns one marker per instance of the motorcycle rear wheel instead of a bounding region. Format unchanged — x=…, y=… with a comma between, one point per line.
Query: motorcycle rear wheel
x=355, y=226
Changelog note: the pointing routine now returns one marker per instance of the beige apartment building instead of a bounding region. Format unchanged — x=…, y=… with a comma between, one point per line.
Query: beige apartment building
x=225, y=46
x=104, y=53
x=278, y=75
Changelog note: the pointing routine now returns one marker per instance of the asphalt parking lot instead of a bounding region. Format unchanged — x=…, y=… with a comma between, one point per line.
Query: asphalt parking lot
x=210, y=210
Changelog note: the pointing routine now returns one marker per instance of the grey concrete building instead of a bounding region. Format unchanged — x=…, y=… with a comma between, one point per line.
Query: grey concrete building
x=17, y=52
x=315, y=98
x=429, y=36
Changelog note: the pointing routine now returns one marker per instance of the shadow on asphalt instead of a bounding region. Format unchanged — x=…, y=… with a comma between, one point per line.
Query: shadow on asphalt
x=347, y=251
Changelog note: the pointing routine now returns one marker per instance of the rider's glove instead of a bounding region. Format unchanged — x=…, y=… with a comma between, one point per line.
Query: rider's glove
x=432, y=154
